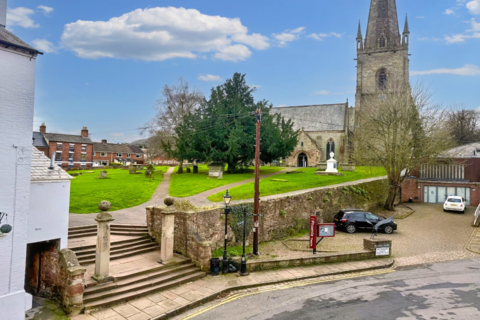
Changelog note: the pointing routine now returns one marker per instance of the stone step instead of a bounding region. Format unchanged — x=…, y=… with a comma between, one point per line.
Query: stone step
x=81, y=227
x=113, y=244
x=128, y=232
x=115, y=256
x=82, y=251
x=128, y=226
x=145, y=277
x=83, y=235
x=83, y=230
x=135, y=293
x=118, y=251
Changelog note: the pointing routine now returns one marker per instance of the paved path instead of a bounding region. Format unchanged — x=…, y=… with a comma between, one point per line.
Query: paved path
x=134, y=215
x=165, y=304
x=439, y=291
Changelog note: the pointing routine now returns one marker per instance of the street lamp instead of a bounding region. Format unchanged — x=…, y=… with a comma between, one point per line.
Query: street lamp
x=226, y=198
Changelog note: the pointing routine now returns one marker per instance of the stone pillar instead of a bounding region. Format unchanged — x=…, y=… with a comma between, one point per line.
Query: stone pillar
x=102, y=255
x=168, y=228
x=71, y=283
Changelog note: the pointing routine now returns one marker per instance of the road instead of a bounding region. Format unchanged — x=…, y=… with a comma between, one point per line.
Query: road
x=438, y=291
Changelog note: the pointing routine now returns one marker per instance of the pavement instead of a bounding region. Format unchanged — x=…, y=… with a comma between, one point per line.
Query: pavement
x=436, y=291
x=165, y=304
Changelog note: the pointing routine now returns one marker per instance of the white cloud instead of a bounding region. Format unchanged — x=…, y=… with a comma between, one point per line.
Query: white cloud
x=44, y=45
x=473, y=33
x=474, y=6
x=449, y=11
x=21, y=17
x=157, y=34
x=46, y=10
x=467, y=70
x=320, y=36
x=288, y=36
x=209, y=77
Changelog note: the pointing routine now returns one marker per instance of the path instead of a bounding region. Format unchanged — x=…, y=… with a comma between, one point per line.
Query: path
x=134, y=215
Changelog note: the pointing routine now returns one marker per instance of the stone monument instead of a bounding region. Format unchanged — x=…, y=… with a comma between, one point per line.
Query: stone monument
x=102, y=255
x=332, y=164
x=168, y=228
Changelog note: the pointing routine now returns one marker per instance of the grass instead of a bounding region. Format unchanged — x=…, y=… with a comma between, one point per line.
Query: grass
x=305, y=180
x=189, y=184
x=122, y=189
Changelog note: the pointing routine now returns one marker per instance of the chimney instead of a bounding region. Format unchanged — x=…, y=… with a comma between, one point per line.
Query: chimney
x=3, y=13
x=104, y=141
x=43, y=127
x=84, y=130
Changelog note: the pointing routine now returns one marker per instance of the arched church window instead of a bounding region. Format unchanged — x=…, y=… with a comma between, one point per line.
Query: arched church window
x=383, y=42
x=382, y=79
x=330, y=147
x=302, y=143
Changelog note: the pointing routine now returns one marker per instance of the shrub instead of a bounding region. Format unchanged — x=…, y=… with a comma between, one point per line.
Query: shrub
x=282, y=213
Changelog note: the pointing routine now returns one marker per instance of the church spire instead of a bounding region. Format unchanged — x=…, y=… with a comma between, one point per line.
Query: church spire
x=405, y=29
x=382, y=29
x=359, y=37
x=406, y=33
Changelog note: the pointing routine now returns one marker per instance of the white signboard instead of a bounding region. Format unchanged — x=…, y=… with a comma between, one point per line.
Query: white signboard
x=382, y=251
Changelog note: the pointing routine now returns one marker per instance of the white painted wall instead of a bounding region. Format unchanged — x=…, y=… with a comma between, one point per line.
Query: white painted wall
x=17, y=89
x=48, y=214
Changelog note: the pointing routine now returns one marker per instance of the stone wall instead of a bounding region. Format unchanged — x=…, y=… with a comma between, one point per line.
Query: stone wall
x=197, y=233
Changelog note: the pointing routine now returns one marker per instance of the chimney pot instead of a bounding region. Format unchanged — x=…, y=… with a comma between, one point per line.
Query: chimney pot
x=3, y=13
x=84, y=130
x=104, y=141
x=43, y=127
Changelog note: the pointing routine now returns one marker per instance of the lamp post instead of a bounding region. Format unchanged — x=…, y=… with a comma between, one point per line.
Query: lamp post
x=226, y=198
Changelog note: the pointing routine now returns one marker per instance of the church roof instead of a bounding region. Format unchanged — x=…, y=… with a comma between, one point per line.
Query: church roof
x=326, y=117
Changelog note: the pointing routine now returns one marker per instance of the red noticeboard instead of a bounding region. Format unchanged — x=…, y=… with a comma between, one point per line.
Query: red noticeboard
x=326, y=230
x=313, y=232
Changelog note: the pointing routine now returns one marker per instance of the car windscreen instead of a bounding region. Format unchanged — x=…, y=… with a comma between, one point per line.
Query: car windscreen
x=454, y=200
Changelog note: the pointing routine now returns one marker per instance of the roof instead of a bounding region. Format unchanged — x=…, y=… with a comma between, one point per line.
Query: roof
x=60, y=137
x=40, y=168
x=326, y=117
x=471, y=150
x=7, y=37
x=39, y=140
x=116, y=148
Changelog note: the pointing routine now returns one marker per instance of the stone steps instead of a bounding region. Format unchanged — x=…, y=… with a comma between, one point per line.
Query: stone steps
x=140, y=283
x=115, y=229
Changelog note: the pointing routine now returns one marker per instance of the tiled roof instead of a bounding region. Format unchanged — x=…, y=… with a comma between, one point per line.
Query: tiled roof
x=39, y=140
x=116, y=148
x=60, y=137
x=327, y=117
x=40, y=168
x=9, y=38
x=471, y=150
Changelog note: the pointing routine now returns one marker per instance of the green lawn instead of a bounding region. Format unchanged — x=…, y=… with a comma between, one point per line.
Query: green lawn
x=189, y=184
x=294, y=182
x=122, y=189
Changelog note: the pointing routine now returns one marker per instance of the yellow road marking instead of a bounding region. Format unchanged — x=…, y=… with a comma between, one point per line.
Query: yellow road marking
x=288, y=286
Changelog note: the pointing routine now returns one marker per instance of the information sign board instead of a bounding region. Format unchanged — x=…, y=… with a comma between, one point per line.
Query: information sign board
x=326, y=230
x=382, y=251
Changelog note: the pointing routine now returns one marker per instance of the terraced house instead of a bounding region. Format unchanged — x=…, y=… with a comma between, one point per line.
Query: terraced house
x=105, y=154
x=67, y=149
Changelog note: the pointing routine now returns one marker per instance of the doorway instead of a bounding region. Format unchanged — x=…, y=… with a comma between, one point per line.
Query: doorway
x=302, y=160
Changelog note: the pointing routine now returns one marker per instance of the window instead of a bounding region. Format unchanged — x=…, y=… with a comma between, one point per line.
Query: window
x=382, y=79
x=302, y=143
x=84, y=147
x=139, y=155
x=330, y=147
x=70, y=156
x=382, y=42
x=59, y=146
x=83, y=164
x=84, y=157
x=129, y=155
x=370, y=216
x=119, y=154
x=103, y=154
x=58, y=156
x=72, y=147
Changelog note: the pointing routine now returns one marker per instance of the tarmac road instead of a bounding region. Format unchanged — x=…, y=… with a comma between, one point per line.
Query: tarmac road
x=439, y=291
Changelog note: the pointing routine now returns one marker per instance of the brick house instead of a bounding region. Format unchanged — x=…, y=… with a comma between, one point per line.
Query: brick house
x=460, y=177
x=106, y=153
x=70, y=150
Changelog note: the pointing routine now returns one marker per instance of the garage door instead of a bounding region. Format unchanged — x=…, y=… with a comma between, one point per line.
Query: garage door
x=436, y=194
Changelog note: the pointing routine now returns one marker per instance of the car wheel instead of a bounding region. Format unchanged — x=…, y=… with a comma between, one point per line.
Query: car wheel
x=351, y=228
x=388, y=230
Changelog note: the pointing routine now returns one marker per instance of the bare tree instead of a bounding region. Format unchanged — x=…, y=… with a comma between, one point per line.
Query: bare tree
x=463, y=125
x=399, y=129
x=176, y=102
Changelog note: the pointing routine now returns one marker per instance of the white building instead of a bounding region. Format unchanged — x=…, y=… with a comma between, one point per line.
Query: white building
x=17, y=90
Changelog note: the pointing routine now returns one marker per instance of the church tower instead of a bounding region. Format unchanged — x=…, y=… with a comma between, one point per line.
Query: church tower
x=383, y=52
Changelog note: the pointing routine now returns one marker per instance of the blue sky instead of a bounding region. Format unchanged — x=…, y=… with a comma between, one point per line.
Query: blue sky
x=106, y=61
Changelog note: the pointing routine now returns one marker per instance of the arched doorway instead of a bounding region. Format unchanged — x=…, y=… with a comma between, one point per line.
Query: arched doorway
x=302, y=160
x=330, y=148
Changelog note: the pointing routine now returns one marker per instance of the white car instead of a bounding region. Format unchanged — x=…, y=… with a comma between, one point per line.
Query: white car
x=454, y=203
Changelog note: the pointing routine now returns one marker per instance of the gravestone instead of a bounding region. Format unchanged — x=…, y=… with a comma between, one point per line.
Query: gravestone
x=132, y=170
x=103, y=174
x=215, y=171
x=189, y=170
x=195, y=169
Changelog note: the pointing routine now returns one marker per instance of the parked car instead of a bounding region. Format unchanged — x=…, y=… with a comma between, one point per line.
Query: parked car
x=454, y=203
x=354, y=219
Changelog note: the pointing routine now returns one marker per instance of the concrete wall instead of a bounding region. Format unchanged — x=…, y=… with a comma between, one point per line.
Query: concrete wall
x=17, y=89
x=54, y=197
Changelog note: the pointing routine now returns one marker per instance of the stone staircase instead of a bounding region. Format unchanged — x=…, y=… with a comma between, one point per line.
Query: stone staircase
x=140, y=283
x=115, y=229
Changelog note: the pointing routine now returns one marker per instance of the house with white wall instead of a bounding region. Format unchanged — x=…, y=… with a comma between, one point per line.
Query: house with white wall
x=17, y=91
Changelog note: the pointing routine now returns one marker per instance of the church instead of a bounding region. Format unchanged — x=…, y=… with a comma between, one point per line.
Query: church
x=328, y=128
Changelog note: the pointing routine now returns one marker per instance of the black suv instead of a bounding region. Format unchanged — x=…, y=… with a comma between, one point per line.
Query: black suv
x=355, y=219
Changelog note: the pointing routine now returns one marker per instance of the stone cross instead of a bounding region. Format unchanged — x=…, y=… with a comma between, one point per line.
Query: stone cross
x=168, y=228
x=102, y=255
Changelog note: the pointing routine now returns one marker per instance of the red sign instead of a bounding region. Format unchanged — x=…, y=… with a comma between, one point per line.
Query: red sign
x=313, y=232
x=326, y=230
